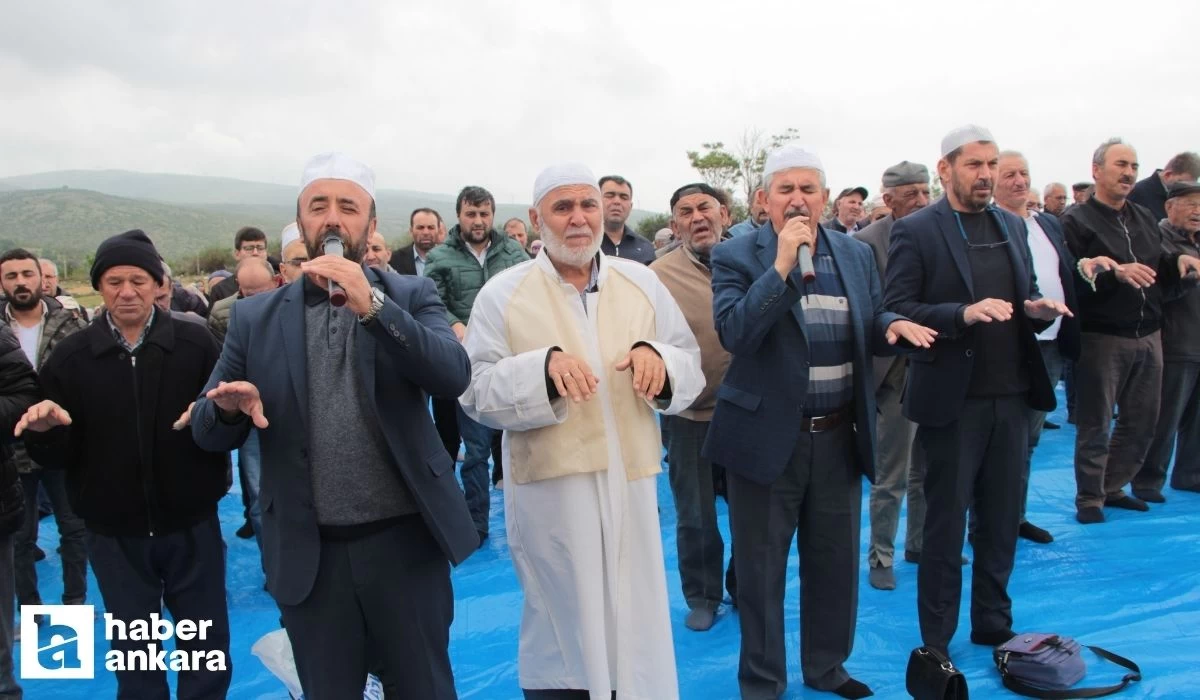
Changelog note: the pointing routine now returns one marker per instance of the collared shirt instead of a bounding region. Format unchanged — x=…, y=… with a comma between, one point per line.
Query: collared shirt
x=419, y=262
x=30, y=337
x=121, y=337
x=830, y=335
x=1045, y=266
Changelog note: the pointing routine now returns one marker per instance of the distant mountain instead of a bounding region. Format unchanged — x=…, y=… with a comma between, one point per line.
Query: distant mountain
x=67, y=213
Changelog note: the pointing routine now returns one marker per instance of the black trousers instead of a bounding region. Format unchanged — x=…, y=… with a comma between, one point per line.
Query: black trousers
x=445, y=418
x=385, y=601
x=977, y=462
x=184, y=570
x=72, y=537
x=819, y=495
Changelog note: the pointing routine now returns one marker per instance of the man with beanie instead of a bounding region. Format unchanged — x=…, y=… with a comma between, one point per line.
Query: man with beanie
x=147, y=493
x=361, y=514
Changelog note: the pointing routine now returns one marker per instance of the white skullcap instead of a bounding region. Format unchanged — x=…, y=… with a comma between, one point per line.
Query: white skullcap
x=561, y=175
x=290, y=233
x=790, y=156
x=662, y=234
x=962, y=136
x=338, y=166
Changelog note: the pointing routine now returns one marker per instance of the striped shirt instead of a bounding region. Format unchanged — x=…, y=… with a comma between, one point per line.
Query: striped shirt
x=830, y=336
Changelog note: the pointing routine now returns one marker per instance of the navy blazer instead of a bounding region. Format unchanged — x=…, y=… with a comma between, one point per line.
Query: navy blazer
x=929, y=280
x=759, y=320
x=407, y=352
x=1069, y=341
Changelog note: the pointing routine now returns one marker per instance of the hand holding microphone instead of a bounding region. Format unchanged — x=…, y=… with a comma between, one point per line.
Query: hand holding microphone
x=796, y=242
x=332, y=245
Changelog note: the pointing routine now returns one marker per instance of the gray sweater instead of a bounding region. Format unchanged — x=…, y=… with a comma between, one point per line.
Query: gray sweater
x=355, y=480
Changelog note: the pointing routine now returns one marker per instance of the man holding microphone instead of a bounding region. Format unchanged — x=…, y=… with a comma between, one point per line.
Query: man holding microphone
x=801, y=312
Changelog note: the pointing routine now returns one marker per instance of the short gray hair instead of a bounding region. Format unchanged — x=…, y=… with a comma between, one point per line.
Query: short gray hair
x=249, y=262
x=1013, y=154
x=1102, y=151
x=166, y=271
x=48, y=261
x=1047, y=188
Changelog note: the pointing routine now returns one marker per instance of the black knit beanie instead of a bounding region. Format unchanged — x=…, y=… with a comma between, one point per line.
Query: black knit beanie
x=130, y=248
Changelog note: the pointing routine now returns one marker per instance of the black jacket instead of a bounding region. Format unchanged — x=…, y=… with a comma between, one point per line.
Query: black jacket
x=128, y=471
x=1152, y=194
x=18, y=391
x=225, y=288
x=1181, y=311
x=402, y=261
x=632, y=247
x=1128, y=235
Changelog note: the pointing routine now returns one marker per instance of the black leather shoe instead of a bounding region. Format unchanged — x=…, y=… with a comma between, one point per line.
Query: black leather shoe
x=1033, y=533
x=1048, y=425
x=246, y=531
x=991, y=639
x=1090, y=515
x=1150, y=496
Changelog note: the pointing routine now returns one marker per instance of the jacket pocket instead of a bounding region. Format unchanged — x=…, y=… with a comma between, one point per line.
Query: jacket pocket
x=739, y=398
x=439, y=462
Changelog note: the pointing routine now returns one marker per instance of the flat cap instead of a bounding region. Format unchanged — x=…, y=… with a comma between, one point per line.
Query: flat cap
x=906, y=173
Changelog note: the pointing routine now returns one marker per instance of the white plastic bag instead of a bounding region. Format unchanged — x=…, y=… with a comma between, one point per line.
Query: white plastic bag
x=274, y=650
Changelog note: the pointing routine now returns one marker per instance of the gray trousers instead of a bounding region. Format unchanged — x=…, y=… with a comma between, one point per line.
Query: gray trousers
x=1178, y=429
x=9, y=690
x=819, y=495
x=973, y=462
x=897, y=474
x=701, y=549
x=1126, y=372
x=1037, y=419
x=383, y=600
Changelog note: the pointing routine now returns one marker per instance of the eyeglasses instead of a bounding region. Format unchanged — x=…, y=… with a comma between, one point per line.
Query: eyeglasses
x=984, y=246
x=254, y=249
x=295, y=262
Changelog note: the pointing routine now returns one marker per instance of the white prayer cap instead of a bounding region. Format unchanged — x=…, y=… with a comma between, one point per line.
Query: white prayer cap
x=663, y=234
x=290, y=233
x=338, y=166
x=962, y=136
x=790, y=156
x=561, y=175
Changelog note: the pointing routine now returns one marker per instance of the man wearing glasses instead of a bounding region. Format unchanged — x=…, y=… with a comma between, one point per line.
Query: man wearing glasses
x=961, y=267
x=294, y=255
x=248, y=242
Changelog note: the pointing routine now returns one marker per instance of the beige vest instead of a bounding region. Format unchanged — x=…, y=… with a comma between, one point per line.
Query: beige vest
x=539, y=315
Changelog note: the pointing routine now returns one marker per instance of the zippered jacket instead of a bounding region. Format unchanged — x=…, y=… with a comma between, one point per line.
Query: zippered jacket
x=129, y=472
x=1127, y=235
x=459, y=276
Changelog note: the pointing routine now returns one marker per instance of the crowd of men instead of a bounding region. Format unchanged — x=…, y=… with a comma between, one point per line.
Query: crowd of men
x=911, y=341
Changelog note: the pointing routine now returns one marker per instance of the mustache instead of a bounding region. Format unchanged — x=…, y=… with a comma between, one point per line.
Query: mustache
x=794, y=212
x=1125, y=180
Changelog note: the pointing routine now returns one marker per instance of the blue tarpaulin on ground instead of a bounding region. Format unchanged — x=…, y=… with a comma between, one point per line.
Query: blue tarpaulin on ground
x=1131, y=585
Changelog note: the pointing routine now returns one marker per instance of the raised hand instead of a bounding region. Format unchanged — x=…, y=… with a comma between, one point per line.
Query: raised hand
x=42, y=416
x=239, y=397
x=649, y=371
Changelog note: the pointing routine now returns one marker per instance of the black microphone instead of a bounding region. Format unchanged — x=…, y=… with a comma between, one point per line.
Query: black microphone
x=332, y=245
x=804, y=256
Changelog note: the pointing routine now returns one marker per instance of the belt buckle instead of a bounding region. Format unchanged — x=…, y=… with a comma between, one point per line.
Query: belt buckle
x=812, y=424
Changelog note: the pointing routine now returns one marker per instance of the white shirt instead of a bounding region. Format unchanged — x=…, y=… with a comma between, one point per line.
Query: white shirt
x=481, y=256
x=30, y=337
x=1045, y=266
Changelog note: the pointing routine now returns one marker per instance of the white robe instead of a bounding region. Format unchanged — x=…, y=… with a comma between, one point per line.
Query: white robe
x=587, y=547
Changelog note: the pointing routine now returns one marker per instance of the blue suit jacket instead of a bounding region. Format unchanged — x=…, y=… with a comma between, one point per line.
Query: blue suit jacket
x=759, y=320
x=407, y=353
x=929, y=280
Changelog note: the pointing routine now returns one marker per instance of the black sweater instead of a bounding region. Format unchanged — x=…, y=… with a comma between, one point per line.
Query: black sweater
x=1128, y=235
x=129, y=471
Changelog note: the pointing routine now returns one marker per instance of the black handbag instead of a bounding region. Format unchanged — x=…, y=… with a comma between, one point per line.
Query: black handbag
x=932, y=676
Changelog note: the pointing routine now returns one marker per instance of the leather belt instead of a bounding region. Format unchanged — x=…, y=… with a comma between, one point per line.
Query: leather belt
x=821, y=424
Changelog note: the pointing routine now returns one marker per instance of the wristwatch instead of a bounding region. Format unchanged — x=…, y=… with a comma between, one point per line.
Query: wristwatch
x=376, y=306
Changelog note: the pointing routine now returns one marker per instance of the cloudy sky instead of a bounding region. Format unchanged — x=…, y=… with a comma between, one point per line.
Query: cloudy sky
x=437, y=95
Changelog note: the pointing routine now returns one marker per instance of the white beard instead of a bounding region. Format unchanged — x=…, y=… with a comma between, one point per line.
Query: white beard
x=558, y=251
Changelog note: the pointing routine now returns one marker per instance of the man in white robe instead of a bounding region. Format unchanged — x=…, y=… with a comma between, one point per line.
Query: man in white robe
x=571, y=353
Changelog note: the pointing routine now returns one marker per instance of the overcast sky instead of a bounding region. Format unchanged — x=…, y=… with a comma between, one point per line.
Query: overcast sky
x=437, y=95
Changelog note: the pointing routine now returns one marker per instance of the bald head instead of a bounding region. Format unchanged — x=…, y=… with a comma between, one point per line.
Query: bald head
x=377, y=256
x=254, y=276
